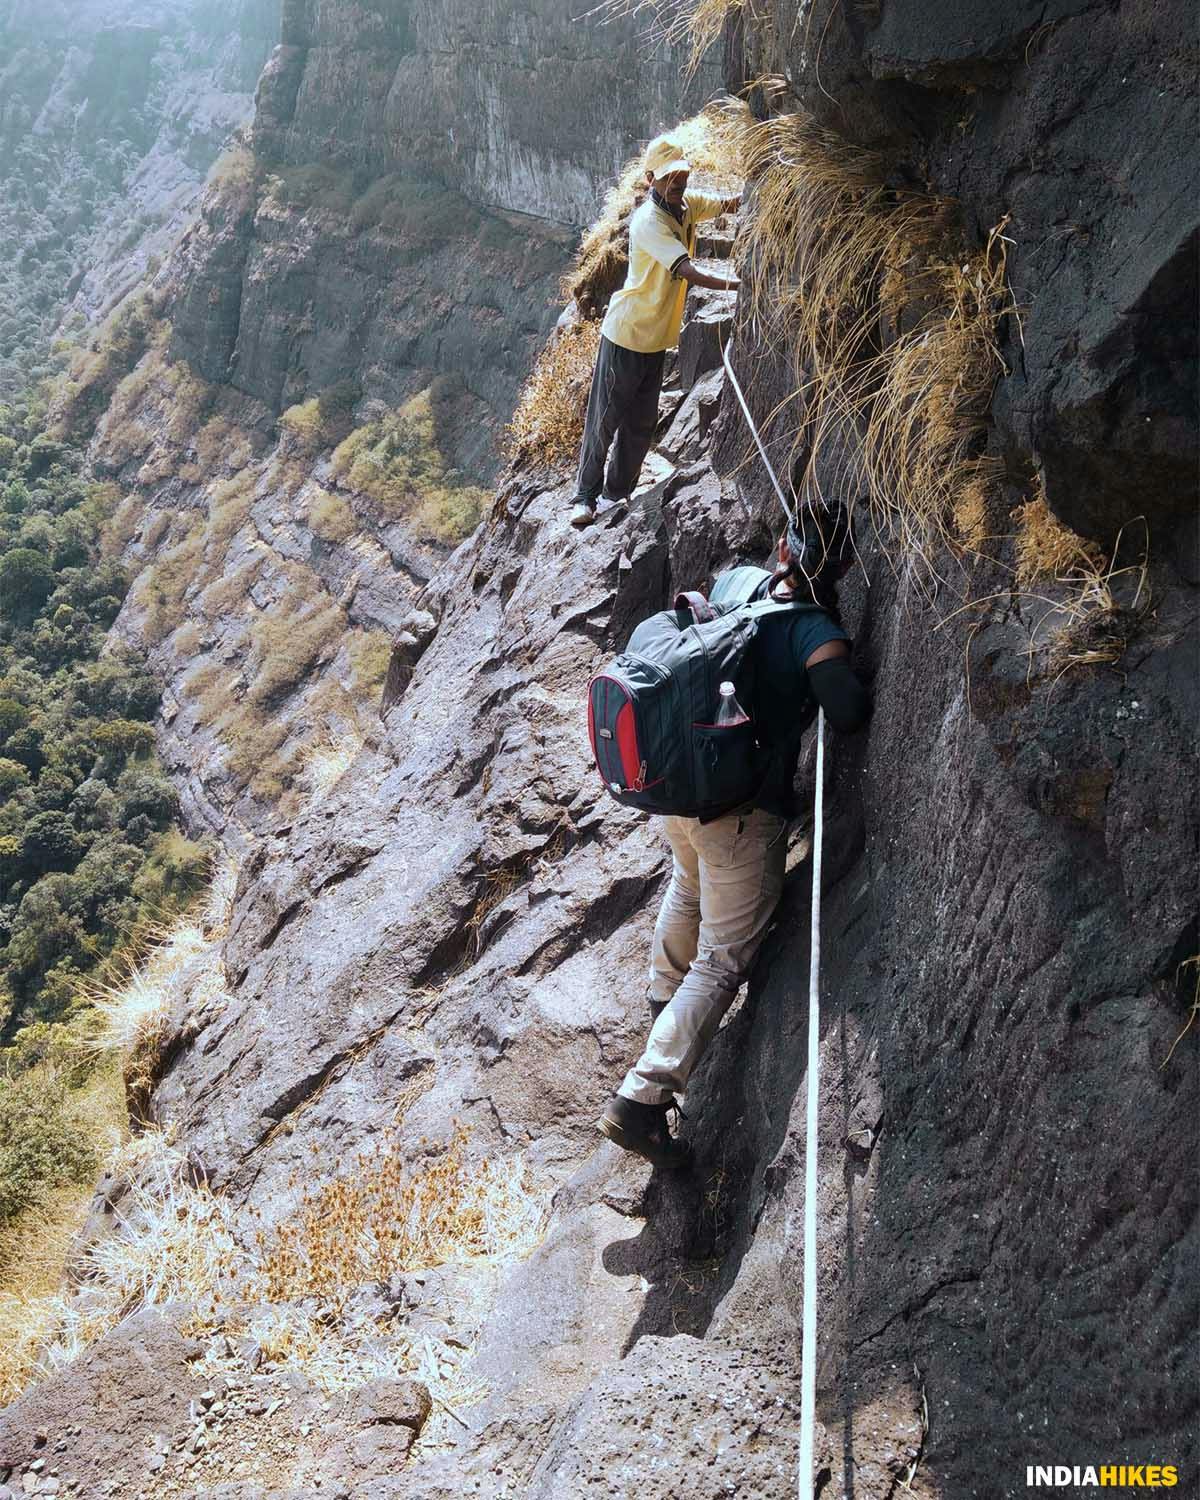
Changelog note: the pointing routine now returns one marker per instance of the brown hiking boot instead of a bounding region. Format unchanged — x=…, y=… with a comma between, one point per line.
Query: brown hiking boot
x=642, y=1129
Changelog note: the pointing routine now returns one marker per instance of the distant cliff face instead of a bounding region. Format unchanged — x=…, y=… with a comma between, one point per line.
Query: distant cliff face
x=529, y=107
x=421, y=174
x=110, y=117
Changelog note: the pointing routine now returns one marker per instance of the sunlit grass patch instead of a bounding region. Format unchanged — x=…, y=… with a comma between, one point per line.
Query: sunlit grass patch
x=547, y=425
x=383, y=1216
x=131, y=1003
x=396, y=462
x=327, y=761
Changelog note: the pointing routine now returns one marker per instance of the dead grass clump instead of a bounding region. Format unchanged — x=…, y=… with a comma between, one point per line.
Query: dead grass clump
x=698, y=23
x=547, y=425
x=303, y=423
x=178, y=1241
x=186, y=641
x=370, y=656
x=498, y=885
x=122, y=526
x=891, y=326
x=96, y=371
x=235, y=168
x=331, y=518
x=222, y=597
x=35, y=1244
x=974, y=503
x=1104, y=607
x=321, y=421
x=1093, y=603
x=383, y=1217
x=327, y=760
x=164, y=588
x=218, y=443
x=1045, y=548
x=289, y=641
x=200, y=681
x=255, y=748
x=230, y=502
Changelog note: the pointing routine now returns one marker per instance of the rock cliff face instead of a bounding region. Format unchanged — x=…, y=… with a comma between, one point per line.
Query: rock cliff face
x=434, y=164
x=112, y=115
x=458, y=930
x=1073, y=123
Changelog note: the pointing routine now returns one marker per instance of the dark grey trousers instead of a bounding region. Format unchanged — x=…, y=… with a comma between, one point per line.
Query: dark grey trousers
x=622, y=404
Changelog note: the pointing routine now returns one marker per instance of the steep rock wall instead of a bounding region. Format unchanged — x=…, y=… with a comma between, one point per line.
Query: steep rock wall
x=482, y=138
x=1074, y=124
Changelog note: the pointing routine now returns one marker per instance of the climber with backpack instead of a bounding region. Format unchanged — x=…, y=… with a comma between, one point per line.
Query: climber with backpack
x=700, y=720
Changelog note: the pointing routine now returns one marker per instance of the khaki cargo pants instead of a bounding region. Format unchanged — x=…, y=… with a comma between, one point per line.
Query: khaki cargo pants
x=725, y=884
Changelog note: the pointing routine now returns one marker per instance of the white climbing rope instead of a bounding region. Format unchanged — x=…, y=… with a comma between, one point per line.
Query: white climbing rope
x=737, y=391
x=808, y=1356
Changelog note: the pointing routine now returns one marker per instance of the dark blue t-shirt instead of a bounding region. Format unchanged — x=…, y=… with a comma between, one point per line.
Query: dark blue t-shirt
x=783, y=705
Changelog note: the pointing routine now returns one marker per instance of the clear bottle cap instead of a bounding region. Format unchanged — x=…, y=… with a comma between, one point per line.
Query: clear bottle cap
x=727, y=690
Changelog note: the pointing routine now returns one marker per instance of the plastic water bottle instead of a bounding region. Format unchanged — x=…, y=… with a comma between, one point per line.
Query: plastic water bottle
x=730, y=711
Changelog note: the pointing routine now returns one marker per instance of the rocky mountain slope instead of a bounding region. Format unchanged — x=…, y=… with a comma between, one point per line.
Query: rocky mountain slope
x=456, y=930
x=112, y=116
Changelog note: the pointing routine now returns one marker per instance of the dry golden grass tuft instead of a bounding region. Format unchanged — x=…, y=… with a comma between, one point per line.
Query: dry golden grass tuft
x=179, y=1241
x=163, y=588
x=974, y=504
x=326, y=761
x=132, y=998
x=122, y=526
x=228, y=594
x=1093, y=603
x=547, y=425
x=1045, y=548
x=370, y=653
x=891, y=326
x=384, y=1216
x=698, y=23
x=330, y=518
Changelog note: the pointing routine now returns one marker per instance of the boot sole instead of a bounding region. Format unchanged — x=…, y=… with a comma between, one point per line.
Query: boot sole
x=637, y=1148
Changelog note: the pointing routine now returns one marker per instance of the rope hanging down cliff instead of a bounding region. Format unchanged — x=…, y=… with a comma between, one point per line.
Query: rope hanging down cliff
x=808, y=1356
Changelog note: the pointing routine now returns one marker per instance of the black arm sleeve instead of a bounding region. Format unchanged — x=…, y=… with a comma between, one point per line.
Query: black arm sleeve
x=836, y=687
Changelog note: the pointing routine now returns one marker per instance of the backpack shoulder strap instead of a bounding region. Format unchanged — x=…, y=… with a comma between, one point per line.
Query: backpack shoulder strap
x=694, y=601
x=760, y=607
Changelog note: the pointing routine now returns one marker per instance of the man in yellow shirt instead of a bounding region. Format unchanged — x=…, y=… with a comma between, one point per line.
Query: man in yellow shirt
x=641, y=324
